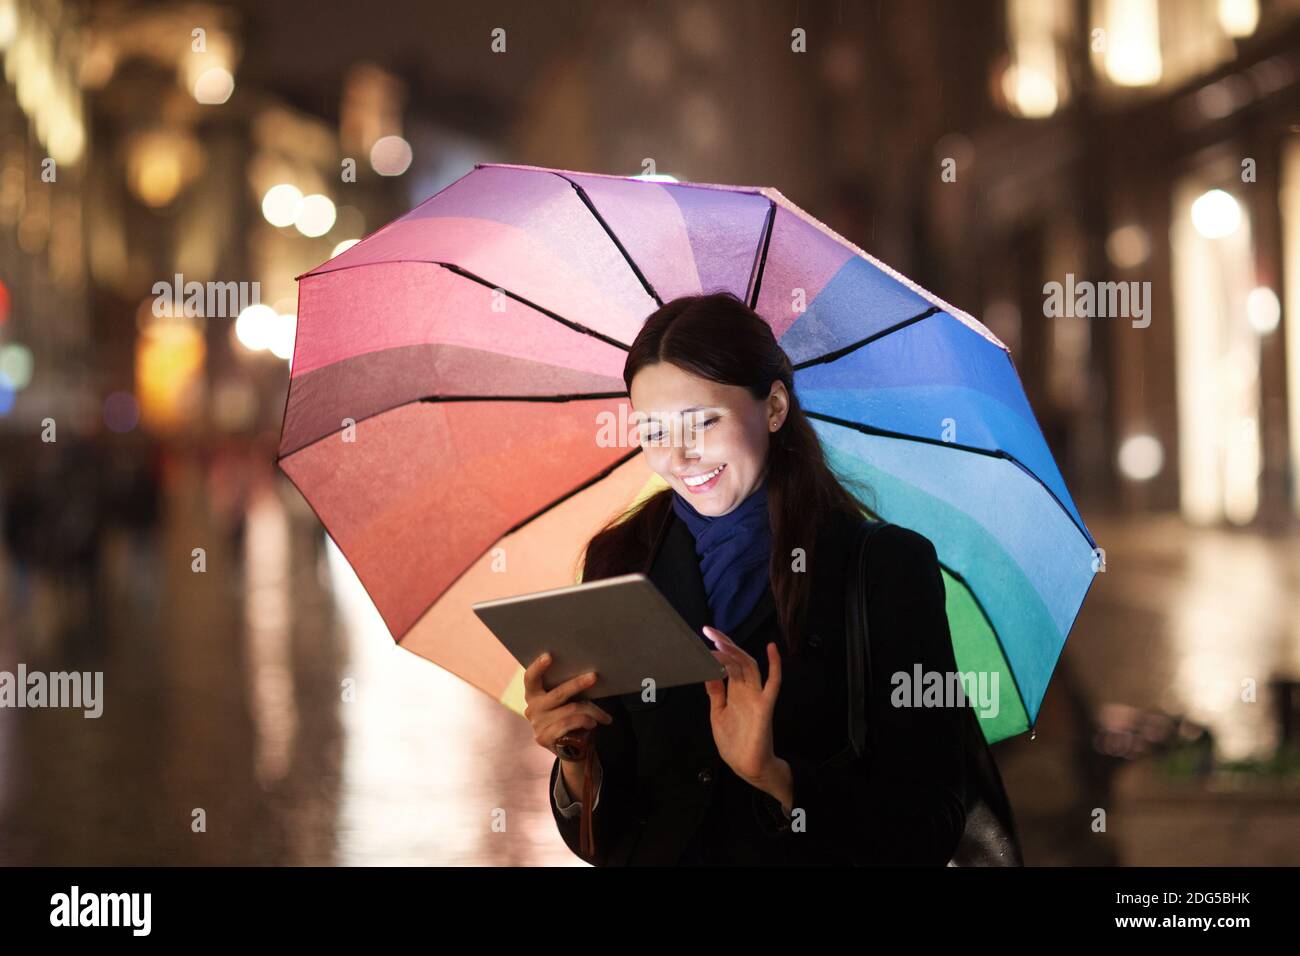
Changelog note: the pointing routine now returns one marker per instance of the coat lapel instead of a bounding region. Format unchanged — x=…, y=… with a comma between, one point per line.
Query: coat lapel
x=675, y=571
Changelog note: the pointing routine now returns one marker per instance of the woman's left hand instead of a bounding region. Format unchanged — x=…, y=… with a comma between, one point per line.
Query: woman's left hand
x=740, y=709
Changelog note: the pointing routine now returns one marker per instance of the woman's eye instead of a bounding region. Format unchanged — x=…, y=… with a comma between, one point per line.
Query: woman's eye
x=655, y=437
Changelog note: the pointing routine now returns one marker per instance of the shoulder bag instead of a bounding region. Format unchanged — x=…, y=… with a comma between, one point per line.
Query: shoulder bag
x=989, y=838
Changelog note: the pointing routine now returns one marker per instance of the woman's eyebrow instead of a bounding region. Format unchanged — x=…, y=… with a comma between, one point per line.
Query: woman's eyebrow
x=685, y=411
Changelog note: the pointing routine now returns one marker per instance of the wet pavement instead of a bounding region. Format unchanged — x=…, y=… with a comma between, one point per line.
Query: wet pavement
x=253, y=717
x=1171, y=641
x=256, y=711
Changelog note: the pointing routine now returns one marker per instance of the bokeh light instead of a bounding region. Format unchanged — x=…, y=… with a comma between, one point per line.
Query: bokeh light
x=1128, y=246
x=1263, y=309
x=282, y=204
x=16, y=365
x=1215, y=214
x=162, y=162
x=315, y=215
x=214, y=86
x=1239, y=18
x=1141, y=457
x=121, y=412
x=283, y=329
x=255, y=327
x=169, y=364
x=390, y=156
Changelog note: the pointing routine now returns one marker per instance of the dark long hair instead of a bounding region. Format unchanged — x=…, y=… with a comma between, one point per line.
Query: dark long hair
x=720, y=338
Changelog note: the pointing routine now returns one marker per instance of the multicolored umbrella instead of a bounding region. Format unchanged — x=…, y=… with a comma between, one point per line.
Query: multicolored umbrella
x=457, y=417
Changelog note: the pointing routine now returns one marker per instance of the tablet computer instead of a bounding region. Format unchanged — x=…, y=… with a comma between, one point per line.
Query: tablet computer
x=622, y=628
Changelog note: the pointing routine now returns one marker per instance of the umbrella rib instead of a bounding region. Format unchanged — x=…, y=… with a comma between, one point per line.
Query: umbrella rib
x=604, y=472
x=535, y=515
x=574, y=397
x=452, y=267
x=636, y=270
x=854, y=346
x=979, y=606
x=987, y=452
x=576, y=326
x=760, y=256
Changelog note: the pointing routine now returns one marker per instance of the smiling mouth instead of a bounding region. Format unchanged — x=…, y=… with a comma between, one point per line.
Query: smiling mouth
x=693, y=481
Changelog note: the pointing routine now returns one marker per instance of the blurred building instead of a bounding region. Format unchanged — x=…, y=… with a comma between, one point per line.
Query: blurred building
x=150, y=288
x=1152, y=144
x=44, y=308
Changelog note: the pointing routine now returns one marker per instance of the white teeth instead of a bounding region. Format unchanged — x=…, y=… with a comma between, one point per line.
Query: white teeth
x=701, y=479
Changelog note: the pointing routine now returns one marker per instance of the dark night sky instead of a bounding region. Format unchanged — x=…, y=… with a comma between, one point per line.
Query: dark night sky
x=441, y=48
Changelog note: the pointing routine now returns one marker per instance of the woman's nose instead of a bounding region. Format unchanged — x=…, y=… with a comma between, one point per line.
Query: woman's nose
x=685, y=451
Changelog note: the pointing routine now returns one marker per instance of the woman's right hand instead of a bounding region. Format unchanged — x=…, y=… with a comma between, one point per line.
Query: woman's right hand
x=550, y=712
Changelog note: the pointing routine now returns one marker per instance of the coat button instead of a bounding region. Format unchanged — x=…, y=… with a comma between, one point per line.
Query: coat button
x=706, y=776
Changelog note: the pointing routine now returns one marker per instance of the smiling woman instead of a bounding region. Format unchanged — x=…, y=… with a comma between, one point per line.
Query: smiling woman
x=722, y=453
x=710, y=368
x=752, y=542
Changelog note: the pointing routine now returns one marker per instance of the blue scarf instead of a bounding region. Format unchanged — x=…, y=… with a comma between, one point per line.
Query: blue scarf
x=734, y=551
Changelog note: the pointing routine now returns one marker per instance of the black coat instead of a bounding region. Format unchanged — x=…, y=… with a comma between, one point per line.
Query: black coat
x=668, y=798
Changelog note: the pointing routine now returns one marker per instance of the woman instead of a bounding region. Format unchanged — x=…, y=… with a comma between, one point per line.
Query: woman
x=752, y=538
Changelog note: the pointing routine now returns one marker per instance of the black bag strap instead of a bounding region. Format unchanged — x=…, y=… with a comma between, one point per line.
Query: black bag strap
x=857, y=647
x=858, y=650
x=990, y=837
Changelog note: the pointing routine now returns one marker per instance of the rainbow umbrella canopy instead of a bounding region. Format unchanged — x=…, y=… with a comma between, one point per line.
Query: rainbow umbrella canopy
x=457, y=417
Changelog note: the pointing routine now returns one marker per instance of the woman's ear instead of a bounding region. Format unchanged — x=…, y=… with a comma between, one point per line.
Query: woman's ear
x=778, y=405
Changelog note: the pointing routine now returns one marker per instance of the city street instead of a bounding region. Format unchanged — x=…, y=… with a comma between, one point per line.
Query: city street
x=264, y=694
